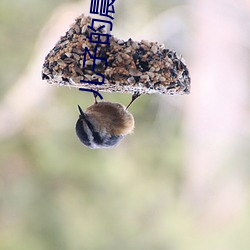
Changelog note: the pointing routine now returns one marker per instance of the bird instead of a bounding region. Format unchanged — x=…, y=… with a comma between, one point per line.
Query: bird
x=104, y=124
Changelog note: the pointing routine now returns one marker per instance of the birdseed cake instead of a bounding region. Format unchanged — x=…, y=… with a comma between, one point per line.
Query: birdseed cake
x=144, y=67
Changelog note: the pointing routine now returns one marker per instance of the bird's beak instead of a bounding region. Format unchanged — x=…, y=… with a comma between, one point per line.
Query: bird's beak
x=82, y=115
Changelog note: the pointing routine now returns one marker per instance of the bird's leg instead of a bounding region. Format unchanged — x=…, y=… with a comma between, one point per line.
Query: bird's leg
x=134, y=97
x=95, y=96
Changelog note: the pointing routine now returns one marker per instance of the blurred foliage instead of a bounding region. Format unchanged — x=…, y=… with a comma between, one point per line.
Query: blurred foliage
x=20, y=24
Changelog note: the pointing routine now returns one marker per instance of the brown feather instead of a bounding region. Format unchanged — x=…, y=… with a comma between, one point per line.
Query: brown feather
x=111, y=117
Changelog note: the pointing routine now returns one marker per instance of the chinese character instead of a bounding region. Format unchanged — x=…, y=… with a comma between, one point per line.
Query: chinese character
x=94, y=57
x=104, y=7
x=91, y=90
x=94, y=6
x=99, y=35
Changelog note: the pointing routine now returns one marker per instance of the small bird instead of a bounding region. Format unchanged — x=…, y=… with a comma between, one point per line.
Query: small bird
x=104, y=124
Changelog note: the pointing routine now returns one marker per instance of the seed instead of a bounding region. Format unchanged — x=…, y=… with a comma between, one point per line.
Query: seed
x=120, y=42
x=64, y=43
x=68, y=54
x=131, y=80
x=134, y=72
x=84, y=28
x=145, y=42
x=77, y=29
x=126, y=56
x=69, y=60
x=77, y=79
x=135, y=45
x=77, y=57
x=61, y=62
x=119, y=58
x=78, y=70
x=152, y=69
x=154, y=49
x=150, y=74
x=98, y=61
x=89, y=62
x=144, y=78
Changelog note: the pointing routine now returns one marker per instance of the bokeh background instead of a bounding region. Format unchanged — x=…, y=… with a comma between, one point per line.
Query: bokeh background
x=180, y=182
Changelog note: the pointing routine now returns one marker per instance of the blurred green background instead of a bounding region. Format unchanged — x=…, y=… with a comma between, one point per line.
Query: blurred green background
x=180, y=182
